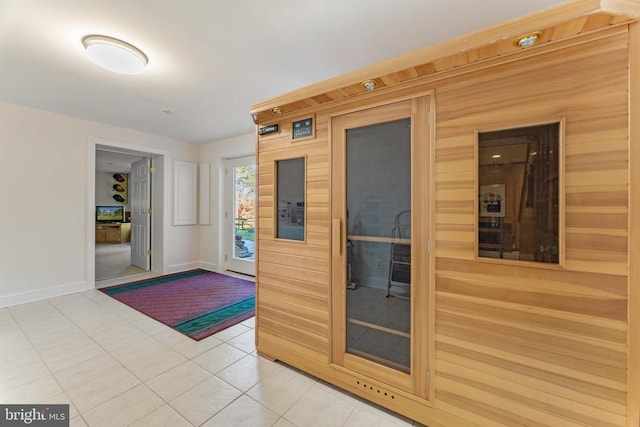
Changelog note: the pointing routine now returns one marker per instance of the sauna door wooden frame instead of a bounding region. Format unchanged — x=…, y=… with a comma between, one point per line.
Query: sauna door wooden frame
x=416, y=382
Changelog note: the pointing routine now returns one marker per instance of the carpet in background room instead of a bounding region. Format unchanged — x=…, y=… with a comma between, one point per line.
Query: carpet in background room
x=197, y=303
x=114, y=260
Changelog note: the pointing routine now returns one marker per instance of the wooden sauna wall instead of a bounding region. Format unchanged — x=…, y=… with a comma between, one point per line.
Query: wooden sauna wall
x=293, y=276
x=524, y=344
x=516, y=343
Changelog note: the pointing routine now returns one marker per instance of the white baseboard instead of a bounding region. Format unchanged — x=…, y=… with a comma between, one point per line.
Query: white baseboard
x=209, y=266
x=178, y=268
x=41, y=294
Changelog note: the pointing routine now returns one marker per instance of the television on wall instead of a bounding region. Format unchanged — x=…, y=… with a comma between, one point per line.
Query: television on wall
x=109, y=213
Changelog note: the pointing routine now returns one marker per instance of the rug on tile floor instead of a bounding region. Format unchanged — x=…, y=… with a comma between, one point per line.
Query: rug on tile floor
x=197, y=303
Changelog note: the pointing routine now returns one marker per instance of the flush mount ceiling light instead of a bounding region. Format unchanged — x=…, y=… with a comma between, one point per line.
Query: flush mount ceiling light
x=114, y=54
x=528, y=40
x=276, y=110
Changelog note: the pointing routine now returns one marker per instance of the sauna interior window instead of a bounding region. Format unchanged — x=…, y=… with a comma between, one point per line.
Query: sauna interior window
x=518, y=176
x=290, y=196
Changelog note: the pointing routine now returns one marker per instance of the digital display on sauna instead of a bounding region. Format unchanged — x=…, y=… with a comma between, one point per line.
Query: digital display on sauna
x=518, y=194
x=290, y=197
x=303, y=128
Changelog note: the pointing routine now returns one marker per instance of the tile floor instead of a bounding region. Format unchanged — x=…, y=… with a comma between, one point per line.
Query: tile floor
x=117, y=367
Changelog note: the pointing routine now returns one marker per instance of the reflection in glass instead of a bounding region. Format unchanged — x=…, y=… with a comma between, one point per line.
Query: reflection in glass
x=290, y=197
x=518, y=194
x=379, y=243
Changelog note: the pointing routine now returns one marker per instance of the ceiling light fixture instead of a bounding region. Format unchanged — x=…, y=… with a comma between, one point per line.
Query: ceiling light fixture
x=528, y=40
x=114, y=54
x=369, y=84
x=276, y=110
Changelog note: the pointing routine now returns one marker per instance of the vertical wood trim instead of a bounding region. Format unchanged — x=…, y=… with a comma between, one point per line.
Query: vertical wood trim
x=432, y=238
x=633, y=382
x=420, y=229
x=338, y=264
x=562, y=185
x=336, y=243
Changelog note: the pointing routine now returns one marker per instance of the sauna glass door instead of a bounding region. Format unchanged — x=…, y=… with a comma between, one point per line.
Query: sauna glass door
x=377, y=276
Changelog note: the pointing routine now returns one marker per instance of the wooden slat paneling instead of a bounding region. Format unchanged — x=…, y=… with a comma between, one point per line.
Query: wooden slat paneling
x=521, y=345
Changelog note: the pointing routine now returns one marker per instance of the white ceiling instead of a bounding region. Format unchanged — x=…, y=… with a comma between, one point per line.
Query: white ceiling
x=209, y=60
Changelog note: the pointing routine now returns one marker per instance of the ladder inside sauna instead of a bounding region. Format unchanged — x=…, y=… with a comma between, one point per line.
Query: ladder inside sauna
x=399, y=281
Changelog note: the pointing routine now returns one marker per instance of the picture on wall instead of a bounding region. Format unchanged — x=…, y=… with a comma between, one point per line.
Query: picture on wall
x=492, y=200
x=120, y=187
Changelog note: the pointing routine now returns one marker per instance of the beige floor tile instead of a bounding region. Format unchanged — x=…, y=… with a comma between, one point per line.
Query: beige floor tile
x=164, y=416
x=320, y=407
x=369, y=416
x=245, y=341
x=244, y=412
x=177, y=380
x=204, y=400
x=142, y=322
x=230, y=332
x=53, y=333
x=95, y=381
x=77, y=422
x=138, y=349
x=281, y=390
x=36, y=391
x=249, y=323
x=219, y=357
x=118, y=335
x=14, y=348
x=191, y=348
x=62, y=399
x=9, y=332
x=66, y=355
x=124, y=409
x=283, y=422
x=23, y=367
x=148, y=366
x=248, y=371
x=170, y=336
x=88, y=371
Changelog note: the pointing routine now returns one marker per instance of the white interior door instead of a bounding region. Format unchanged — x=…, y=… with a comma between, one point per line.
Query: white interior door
x=140, y=195
x=239, y=223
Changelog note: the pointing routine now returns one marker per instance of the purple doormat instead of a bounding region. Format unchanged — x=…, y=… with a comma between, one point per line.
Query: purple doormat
x=197, y=303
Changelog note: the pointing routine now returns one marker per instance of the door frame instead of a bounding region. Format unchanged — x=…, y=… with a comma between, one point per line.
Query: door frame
x=418, y=381
x=228, y=218
x=159, y=188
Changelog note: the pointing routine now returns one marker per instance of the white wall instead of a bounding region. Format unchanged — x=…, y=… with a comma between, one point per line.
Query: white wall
x=211, y=250
x=44, y=202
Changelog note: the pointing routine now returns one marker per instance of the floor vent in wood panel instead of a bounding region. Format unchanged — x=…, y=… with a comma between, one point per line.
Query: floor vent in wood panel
x=374, y=389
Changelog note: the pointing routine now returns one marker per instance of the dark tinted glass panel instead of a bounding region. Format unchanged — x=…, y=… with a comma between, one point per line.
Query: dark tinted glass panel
x=518, y=194
x=290, y=197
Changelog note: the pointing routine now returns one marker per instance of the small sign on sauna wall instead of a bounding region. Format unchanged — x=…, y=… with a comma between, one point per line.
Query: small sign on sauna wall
x=266, y=130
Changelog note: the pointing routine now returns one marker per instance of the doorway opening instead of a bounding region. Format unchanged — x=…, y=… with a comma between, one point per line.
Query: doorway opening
x=122, y=247
x=240, y=226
